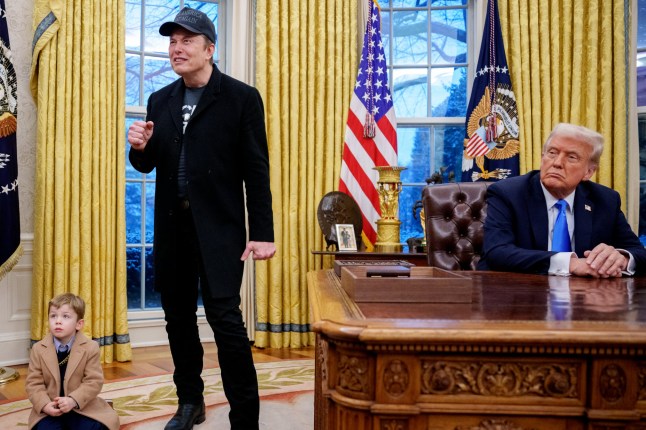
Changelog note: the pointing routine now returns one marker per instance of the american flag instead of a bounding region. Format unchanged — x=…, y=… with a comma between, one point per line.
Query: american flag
x=371, y=131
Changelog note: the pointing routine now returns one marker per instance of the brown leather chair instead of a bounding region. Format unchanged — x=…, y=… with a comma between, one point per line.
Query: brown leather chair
x=455, y=215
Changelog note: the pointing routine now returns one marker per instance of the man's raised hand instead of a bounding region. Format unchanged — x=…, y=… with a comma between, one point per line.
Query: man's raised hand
x=139, y=133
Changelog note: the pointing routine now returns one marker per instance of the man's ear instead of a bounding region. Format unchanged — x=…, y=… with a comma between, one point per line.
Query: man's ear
x=79, y=325
x=591, y=169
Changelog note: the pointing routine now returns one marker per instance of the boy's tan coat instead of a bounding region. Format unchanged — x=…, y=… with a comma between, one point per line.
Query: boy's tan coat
x=83, y=380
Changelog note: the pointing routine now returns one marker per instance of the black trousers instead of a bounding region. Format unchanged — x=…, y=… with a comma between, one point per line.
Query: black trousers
x=239, y=378
x=69, y=421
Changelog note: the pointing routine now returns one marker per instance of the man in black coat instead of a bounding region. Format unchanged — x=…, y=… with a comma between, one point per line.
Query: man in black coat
x=522, y=216
x=205, y=135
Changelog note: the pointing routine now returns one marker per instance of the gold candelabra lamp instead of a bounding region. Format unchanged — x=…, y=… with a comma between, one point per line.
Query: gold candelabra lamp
x=389, y=186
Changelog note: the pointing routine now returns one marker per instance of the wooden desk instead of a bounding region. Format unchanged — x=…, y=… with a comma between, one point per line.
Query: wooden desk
x=523, y=356
x=416, y=258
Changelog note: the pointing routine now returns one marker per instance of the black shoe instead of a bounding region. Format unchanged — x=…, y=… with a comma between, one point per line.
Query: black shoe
x=186, y=417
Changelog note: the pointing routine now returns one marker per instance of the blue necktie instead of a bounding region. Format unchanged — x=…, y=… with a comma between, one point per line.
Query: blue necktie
x=561, y=235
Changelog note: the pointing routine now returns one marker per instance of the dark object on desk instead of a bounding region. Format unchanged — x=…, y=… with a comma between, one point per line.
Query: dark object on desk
x=388, y=272
x=424, y=285
x=338, y=264
x=455, y=215
x=338, y=208
x=416, y=244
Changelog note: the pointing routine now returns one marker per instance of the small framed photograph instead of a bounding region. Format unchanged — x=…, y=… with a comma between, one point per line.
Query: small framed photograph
x=345, y=237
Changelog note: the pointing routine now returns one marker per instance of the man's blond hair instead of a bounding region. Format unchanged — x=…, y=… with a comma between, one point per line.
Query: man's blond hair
x=582, y=134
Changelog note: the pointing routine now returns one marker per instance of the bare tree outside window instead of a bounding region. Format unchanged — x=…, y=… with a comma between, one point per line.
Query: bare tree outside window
x=428, y=51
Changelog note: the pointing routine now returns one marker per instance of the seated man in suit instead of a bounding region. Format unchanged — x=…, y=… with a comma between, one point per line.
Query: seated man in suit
x=526, y=231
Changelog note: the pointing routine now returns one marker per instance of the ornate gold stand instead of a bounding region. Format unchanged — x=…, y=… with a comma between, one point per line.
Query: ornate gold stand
x=389, y=186
x=7, y=374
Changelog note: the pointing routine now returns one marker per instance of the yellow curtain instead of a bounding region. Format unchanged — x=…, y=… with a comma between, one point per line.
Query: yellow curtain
x=306, y=65
x=568, y=64
x=78, y=82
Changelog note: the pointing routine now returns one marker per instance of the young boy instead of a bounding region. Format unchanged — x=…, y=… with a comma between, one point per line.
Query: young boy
x=65, y=375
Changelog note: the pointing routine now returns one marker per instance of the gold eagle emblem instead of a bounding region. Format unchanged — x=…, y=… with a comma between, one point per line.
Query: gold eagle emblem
x=507, y=143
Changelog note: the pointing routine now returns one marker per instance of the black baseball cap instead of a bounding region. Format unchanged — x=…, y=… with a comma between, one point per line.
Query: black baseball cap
x=192, y=20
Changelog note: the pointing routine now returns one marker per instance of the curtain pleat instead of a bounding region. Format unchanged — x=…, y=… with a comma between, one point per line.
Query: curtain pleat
x=306, y=62
x=78, y=81
x=568, y=64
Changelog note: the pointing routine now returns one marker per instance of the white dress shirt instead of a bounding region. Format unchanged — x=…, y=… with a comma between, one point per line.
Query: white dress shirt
x=58, y=344
x=560, y=262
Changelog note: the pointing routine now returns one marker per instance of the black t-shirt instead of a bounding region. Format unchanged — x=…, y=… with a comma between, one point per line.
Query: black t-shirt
x=191, y=98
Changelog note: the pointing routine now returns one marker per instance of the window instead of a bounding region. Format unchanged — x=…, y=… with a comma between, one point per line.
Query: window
x=428, y=50
x=147, y=70
x=641, y=112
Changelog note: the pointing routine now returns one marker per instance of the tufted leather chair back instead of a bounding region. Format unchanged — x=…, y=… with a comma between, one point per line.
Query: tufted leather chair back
x=455, y=215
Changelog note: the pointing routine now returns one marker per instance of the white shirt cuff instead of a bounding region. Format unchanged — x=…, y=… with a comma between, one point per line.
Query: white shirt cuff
x=560, y=263
x=630, y=268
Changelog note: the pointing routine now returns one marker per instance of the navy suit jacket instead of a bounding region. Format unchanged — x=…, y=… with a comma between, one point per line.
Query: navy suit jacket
x=516, y=227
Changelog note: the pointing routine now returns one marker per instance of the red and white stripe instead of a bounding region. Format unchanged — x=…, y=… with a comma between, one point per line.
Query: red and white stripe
x=360, y=155
x=476, y=146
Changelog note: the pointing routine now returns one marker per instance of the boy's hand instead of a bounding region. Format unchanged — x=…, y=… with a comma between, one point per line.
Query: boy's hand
x=52, y=410
x=65, y=404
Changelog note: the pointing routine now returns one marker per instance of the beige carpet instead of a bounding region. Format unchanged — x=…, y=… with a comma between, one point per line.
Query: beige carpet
x=286, y=390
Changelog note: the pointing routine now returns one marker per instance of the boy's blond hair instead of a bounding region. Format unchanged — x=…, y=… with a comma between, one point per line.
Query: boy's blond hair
x=73, y=301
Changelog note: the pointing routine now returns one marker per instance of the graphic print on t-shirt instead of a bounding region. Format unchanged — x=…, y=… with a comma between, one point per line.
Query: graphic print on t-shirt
x=187, y=111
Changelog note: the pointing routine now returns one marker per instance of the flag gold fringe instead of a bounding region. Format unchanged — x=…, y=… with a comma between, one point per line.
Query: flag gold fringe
x=11, y=261
x=369, y=246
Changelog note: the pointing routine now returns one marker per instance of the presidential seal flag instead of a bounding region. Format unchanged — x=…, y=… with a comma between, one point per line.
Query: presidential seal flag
x=371, y=131
x=10, y=246
x=491, y=143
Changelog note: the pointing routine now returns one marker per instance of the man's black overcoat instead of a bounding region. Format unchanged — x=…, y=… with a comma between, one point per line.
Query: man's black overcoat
x=226, y=154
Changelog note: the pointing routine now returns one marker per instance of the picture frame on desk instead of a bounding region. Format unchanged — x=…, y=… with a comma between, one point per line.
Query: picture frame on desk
x=345, y=237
